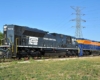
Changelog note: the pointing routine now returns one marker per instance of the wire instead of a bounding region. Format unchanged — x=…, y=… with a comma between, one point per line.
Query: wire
x=62, y=21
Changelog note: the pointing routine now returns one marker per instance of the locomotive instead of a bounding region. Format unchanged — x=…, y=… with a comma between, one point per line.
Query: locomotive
x=24, y=41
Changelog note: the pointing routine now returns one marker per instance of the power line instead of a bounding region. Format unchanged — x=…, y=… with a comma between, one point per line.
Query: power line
x=78, y=20
x=61, y=23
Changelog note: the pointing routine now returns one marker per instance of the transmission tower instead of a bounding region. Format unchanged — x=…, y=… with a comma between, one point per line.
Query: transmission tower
x=78, y=32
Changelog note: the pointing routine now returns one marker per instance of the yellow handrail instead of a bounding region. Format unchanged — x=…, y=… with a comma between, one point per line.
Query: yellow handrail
x=16, y=45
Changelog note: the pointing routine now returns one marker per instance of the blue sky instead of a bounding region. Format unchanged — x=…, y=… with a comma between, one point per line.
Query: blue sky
x=52, y=15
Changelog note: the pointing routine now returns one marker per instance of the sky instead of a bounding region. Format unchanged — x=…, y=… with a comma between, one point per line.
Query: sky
x=53, y=15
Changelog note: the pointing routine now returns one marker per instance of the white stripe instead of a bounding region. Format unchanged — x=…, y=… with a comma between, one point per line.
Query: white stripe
x=47, y=47
x=4, y=45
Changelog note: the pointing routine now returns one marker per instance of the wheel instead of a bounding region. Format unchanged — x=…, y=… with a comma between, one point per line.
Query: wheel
x=59, y=56
x=68, y=53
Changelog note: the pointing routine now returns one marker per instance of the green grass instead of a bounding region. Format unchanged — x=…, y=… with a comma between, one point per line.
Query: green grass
x=73, y=69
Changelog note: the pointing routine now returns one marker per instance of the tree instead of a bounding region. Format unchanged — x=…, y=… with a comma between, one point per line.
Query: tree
x=1, y=35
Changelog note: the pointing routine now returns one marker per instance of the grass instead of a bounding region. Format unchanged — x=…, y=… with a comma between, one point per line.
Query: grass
x=72, y=69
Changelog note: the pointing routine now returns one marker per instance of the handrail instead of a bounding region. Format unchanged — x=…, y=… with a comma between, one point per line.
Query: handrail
x=11, y=45
x=16, y=45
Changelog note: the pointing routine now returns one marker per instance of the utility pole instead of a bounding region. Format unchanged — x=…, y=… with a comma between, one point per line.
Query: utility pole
x=78, y=33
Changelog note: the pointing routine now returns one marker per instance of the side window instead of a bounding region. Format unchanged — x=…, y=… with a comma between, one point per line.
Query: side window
x=68, y=40
x=73, y=41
